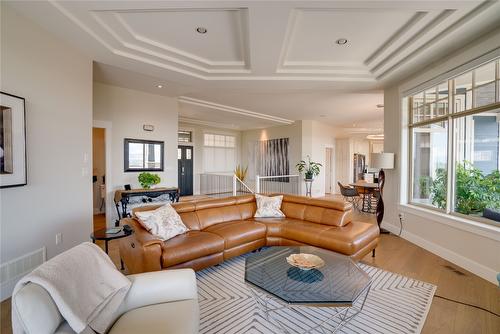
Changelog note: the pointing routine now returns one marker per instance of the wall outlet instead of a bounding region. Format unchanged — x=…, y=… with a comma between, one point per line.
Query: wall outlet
x=58, y=238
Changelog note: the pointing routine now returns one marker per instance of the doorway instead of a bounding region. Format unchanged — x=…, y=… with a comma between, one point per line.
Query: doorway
x=185, y=170
x=99, y=176
x=328, y=170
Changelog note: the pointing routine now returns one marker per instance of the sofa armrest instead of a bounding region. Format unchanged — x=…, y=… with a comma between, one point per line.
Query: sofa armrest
x=141, y=251
x=141, y=234
x=160, y=287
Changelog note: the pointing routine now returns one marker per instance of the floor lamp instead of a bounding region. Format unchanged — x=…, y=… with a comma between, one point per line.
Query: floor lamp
x=382, y=161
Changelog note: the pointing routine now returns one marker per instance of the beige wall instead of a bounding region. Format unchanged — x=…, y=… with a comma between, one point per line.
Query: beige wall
x=128, y=110
x=56, y=82
x=476, y=247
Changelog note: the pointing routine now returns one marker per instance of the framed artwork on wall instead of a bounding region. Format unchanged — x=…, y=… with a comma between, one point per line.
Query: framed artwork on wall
x=13, y=168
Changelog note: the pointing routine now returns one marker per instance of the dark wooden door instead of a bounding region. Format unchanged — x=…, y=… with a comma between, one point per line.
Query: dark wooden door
x=185, y=163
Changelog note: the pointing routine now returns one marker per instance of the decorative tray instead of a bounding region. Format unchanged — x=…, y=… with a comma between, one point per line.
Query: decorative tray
x=305, y=261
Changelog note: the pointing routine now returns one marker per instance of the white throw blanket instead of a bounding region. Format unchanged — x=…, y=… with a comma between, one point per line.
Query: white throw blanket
x=84, y=284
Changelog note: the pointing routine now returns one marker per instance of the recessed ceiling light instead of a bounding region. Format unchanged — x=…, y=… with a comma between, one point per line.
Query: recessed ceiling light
x=159, y=86
x=201, y=30
x=341, y=41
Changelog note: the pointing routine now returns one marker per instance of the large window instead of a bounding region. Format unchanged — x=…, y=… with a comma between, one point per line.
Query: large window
x=219, y=153
x=455, y=147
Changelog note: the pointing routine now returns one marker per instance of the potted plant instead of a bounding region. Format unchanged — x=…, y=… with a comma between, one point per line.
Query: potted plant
x=241, y=173
x=309, y=168
x=148, y=179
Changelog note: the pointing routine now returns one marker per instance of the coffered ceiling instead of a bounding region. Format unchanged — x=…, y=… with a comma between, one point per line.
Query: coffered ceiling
x=277, y=50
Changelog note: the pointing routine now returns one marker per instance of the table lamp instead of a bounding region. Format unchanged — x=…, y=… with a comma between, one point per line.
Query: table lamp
x=382, y=161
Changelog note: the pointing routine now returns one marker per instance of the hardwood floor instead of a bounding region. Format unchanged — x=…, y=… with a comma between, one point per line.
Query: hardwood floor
x=400, y=256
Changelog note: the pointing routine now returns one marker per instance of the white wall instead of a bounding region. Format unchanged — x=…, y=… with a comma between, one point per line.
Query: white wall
x=343, y=162
x=292, y=131
x=306, y=138
x=361, y=146
x=198, y=141
x=475, y=247
x=56, y=82
x=128, y=110
x=316, y=137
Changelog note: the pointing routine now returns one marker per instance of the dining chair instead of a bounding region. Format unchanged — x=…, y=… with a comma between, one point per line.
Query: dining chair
x=367, y=195
x=350, y=194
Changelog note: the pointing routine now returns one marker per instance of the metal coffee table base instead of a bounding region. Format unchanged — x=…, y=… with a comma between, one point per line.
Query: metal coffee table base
x=327, y=319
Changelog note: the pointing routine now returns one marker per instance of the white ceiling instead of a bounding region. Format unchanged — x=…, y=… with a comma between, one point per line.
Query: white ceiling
x=276, y=58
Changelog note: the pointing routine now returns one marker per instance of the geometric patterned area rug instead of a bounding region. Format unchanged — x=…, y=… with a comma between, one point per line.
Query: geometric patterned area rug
x=395, y=304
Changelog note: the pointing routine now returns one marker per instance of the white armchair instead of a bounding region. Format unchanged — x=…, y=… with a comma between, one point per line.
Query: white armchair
x=157, y=302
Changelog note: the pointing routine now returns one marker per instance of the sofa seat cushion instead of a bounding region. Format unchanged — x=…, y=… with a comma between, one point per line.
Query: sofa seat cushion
x=348, y=239
x=274, y=225
x=303, y=231
x=167, y=318
x=189, y=246
x=238, y=232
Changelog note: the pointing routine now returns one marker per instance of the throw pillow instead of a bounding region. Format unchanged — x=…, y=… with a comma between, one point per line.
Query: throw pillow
x=268, y=207
x=164, y=222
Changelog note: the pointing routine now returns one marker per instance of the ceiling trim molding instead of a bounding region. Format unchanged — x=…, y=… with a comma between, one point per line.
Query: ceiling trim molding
x=168, y=61
x=182, y=53
x=239, y=111
x=443, y=15
x=354, y=72
x=111, y=30
x=208, y=123
x=397, y=35
x=461, y=21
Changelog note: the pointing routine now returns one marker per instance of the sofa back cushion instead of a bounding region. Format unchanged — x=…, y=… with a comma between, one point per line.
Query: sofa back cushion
x=327, y=216
x=211, y=212
x=198, y=215
x=293, y=210
x=326, y=212
x=247, y=206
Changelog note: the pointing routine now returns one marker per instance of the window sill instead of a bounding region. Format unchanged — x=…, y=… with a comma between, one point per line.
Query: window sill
x=485, y=230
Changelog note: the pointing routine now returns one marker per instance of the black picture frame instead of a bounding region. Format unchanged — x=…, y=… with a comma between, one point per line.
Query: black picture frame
x=126, y=162
x=18, y=176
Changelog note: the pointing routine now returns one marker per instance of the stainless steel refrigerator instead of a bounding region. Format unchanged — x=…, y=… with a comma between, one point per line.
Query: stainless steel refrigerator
x=359, y=167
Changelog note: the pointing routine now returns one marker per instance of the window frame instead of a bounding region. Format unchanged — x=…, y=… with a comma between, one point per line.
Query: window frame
x=191, y=137
x=450, y=116
x=226, y=136
x=234, y=148
x=126, y=158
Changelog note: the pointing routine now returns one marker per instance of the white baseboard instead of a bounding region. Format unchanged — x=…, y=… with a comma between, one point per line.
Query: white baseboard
x=460, y=260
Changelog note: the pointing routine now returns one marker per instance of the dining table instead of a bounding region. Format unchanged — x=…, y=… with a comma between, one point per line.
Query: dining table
x=369, y=190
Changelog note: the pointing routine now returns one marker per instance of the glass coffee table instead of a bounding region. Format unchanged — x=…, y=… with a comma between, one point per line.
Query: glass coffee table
x=306, y=301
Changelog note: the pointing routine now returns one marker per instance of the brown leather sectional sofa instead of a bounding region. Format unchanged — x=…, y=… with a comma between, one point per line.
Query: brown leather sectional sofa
x=224, y=228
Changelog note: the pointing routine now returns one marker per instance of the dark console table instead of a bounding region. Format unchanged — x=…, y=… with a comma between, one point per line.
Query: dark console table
x=124, y=197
